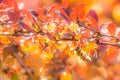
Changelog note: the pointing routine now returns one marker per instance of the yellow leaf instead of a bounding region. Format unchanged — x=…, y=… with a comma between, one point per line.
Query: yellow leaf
x=65, y=76
x=91, y=45
x=73, y=27
x=46, y=56
x=5, y=40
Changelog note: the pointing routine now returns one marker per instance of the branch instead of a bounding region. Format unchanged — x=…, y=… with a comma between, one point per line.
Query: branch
x=23, y=64
x=26, y=35
x=106, y=43
x=86, y=27
x=92, y=29
x=110, y=36
x=7, y=9
x=6, y=23
x=68, y=39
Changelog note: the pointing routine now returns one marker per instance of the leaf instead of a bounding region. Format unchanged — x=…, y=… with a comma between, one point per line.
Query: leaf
x=73, y=16
x=86, y=33
x=61, y=15
x=118, y=35
x=5, y=40
x=102, y=48
x=11, y=15
x=1, y=1
x=65, y=76
x=79, y=10
x=16, y=9
x=101, y=26
x=14, y=77
x=91, y=45
x=111, y=28
x=11, y=48
x=80, y=7
x=10, y=4
x=27, y=14
x=111, y=54
x=65, y=3
x=34, y=13
x=57, y=36
x=5, y=54
x=50, y=10
x=93, y=14
x=50, y=36
x=66, y=11
x=24, y=26
x=47, y=10
x=91, y=22
x=67, y=36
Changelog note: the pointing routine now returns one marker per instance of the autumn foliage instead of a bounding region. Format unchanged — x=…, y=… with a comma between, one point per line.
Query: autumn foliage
x=57, y=42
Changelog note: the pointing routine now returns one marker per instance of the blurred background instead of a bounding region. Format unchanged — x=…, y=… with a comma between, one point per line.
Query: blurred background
x=107, y=10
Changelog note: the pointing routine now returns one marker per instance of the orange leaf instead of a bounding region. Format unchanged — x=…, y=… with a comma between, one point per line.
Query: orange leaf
x=79, y=8
x=118, y=35
x=28, y=15
x=50, y=36
x=80, y=11
x=10, y=4
x=24, y=26
x=111, y=54
x=65, y=76
x=91, y=22
x=111, y=28
x=73, y=16
x=65, y=3
x=93, y=14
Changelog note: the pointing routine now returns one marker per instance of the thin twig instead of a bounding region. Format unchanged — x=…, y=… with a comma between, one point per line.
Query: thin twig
x=106, y=43
x=23, y=64
x=26, y=35
x=86, y=27
x=110, y=36
x=6, y=23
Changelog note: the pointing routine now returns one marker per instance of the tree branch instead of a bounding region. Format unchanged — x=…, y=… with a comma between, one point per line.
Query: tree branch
x=106, y=43
x=86, y=27
x=26, y=35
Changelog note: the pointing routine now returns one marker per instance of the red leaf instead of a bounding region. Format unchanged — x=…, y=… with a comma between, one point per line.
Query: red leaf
x=65, y=3
x=11, y=15
x=111, y=28
x=60, y=14
x=110, y=55
x=1, y=1
x=24, y=26
x=10, y=4
x=34, y=13
x=79, y=8
x=86, y=33
x=66, y=11
x=50, y=36
x=91, y=22
x=67, y=36
x=63, y=15
x=73, y=16
x=27, y=14
x=80, y=11
x=118, y=35
x=93, y=14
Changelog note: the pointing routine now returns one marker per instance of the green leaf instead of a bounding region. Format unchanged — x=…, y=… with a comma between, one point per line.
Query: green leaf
x=14, y=77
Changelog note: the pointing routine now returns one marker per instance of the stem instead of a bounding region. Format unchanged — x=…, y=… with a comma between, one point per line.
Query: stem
x=105, y=43
x=23, y=64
